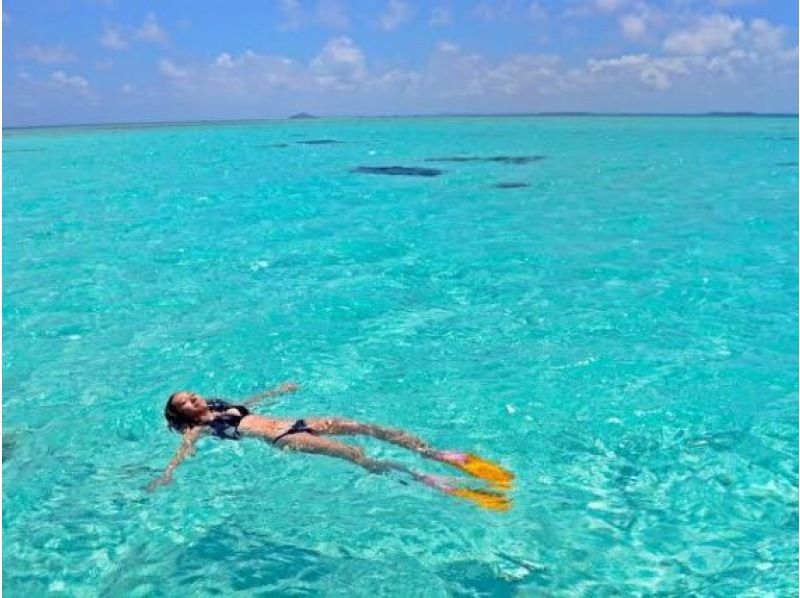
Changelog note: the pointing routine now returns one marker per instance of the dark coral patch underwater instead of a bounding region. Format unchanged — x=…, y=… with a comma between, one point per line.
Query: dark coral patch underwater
x=399, y=170
x=510, y=185
x=500, y=159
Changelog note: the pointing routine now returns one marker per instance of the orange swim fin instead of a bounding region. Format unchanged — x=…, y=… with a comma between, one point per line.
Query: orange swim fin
x=478, y=467
x=494, y=501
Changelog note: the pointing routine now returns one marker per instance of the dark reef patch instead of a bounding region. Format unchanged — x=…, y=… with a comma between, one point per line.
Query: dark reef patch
x=787, y=164
x=500, y=159
x=516, y=159
x=454, y=159
x=319, y=141
x=31, y=149
x=510, y=185
x=399, y=170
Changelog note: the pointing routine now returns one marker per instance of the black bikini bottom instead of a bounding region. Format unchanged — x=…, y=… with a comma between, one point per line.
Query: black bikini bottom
x=299, y=426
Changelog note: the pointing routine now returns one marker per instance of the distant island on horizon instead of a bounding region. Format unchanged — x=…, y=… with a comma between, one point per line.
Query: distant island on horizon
x=308, y=116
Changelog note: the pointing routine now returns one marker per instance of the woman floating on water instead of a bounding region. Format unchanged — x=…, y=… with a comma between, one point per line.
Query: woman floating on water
x=193, y=416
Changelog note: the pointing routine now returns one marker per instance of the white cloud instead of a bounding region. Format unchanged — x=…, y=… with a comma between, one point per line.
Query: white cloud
x=731, y=63
x=6, y=18
x=151, y=31
x=633, y=27
x=341, y=63
x=104, y=65
x=653, y=72
x=457, y=79
x=526, y=75
x=249, y=75
x=112, y=39
x=74, y=84
x=766, y=37
x=171, y=70
x=445, y=46
x=47, y=54
x=397, y=13
x=440, y=16
x=120, y=38
x=127, y=88
x=712, y=34
x=224, y=61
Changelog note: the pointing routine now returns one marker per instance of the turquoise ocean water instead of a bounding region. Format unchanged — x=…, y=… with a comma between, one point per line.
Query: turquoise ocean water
x=622, y=333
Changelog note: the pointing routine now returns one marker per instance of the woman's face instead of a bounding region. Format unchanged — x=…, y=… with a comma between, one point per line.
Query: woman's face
x=189, y=404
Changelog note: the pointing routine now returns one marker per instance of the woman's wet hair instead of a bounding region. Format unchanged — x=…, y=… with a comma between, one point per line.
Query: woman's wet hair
x=176, y=420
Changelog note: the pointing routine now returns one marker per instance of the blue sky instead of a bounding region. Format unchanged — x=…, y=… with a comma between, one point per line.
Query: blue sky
x=89, y=61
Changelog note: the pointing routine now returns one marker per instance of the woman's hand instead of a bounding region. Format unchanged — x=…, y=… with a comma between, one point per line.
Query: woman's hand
x=284, y=388
x=287, y=387
x=162, y=481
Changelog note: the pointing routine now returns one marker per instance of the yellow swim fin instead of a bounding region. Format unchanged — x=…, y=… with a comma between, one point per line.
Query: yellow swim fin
x=478, y=467
x=494, y=501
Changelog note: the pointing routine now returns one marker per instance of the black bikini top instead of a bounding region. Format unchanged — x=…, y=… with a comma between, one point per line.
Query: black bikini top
x=226, y=425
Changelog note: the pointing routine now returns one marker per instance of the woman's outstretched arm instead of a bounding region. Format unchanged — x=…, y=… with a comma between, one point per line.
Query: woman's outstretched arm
x=284, y=388
x=184, y=450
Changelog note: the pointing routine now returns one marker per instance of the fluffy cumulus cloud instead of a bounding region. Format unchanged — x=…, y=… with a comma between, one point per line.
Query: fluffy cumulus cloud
x=766, y=37
x=341, y=64
x=711, y=34
x=120, y=38
x=671, y=59
x=112, y=38
x=718, y=52
x=170, y=70
x=651, y=72
x=70, y=84
x=151, y=31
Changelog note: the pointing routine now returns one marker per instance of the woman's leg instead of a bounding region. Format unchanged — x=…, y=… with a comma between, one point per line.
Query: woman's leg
x=468, y=462
x=349, y=427
x=308, y=443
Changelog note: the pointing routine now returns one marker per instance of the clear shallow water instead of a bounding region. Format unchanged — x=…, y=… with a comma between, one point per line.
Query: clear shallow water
x=622, y=333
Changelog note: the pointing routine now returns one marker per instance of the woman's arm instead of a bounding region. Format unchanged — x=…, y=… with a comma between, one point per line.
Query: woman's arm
x=186, y=449
x=284, y=388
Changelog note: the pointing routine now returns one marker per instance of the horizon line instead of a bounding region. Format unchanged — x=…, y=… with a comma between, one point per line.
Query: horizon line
x=223, y=121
